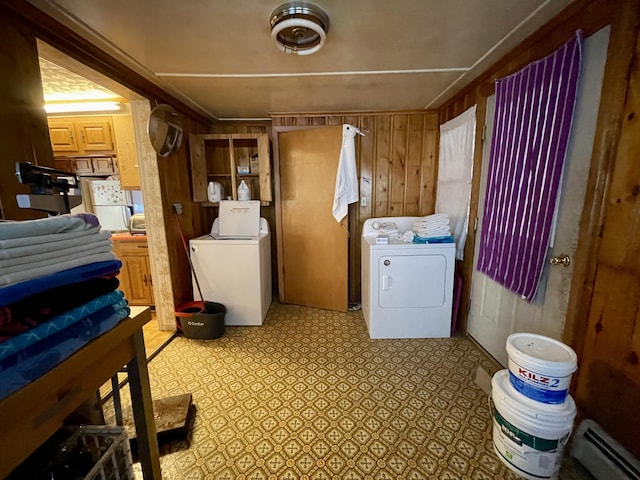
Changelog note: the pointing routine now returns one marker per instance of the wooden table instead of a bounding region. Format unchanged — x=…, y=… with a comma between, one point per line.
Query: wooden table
x=31, y=415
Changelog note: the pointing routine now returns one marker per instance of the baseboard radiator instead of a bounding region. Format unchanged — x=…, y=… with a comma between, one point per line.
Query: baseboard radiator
x=601, y=455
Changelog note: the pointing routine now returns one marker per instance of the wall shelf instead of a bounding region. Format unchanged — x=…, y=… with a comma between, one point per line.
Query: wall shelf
x=217, y=156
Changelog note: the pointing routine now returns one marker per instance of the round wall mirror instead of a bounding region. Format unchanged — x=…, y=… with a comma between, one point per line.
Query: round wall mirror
x=165, y=130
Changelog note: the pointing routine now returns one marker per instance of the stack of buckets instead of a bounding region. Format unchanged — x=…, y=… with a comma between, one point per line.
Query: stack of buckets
x=532, y=411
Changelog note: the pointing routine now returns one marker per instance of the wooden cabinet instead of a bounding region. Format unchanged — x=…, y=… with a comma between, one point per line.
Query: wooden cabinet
x=62, y=133
x=81, y=135
x=82, y=166
x=99, y=165
x=89, y=146
x=135, y=274
x=216, y=158
x=127, y=152
x=96, y=134
x=104, y=165
x=64, y=164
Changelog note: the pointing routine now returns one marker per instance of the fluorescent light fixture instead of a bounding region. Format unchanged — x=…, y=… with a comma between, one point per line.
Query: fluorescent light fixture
x=75, y=107
x=80, y=96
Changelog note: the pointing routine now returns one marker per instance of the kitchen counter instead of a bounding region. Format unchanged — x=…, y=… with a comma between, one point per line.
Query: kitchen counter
x=127, y=237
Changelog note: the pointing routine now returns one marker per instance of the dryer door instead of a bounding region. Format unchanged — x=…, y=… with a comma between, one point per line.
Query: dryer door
x=411, y=281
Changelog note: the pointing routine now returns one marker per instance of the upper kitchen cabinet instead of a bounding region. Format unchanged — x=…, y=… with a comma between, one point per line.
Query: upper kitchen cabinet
x=96, y=145
x=81, y=135
x=62, y=133
x=96, y=134
x=228, y=159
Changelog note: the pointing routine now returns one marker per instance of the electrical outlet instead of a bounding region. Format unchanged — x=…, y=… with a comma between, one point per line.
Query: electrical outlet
x=177, y=207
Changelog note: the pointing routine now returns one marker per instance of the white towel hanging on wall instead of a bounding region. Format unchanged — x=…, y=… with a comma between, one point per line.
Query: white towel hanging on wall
x=455, y=171
x=346, y=190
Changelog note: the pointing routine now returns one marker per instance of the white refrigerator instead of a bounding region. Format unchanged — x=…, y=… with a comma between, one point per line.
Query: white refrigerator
x=111, y=204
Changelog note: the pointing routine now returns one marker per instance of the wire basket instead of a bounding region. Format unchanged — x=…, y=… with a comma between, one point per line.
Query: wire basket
x=106, y=446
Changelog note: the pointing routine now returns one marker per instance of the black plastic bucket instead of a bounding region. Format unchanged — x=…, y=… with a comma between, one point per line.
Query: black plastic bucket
x=202, y=320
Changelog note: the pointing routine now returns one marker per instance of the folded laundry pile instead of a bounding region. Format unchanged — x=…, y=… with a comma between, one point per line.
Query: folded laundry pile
x=432, y=228
x=58, y=291
x=389, y=228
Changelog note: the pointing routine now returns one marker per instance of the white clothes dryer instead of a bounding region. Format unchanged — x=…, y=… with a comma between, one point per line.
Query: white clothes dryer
x=407, y=288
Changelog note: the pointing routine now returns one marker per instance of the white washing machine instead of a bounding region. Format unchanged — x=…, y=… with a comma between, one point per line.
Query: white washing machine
x=407, y=288
x=235, y=270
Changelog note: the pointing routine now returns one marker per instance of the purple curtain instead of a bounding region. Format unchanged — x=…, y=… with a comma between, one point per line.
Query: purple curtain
x=532, y=123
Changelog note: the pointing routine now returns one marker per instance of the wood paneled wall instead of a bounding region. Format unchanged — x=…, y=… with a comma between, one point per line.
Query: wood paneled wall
x=23, y=125
x=397, y=167
x=396, y=159
x=602, y=318
x=609, y=379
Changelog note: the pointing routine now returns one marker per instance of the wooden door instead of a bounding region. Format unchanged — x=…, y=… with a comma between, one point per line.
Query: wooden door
x=314, y=245
x=496, y=312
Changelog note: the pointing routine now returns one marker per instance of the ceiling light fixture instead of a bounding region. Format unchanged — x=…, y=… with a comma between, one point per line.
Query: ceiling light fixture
x=74, y=107
x=299, y=28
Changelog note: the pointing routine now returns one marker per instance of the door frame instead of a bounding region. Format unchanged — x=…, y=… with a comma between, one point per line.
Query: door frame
x=154, y=215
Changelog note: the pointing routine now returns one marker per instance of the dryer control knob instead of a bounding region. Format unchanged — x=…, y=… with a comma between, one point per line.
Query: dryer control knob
x=387, y=263
x=376, y=225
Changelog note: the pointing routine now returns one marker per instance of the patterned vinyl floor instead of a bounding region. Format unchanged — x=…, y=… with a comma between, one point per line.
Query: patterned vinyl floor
x=310, y=396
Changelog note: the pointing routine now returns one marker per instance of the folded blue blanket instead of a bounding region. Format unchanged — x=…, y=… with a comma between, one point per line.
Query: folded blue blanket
x=18, y=291
x=38, y=333
x=80, y=326
x=67, y=342
x=441, y=239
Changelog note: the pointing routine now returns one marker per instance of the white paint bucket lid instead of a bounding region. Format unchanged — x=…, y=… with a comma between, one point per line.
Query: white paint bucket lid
x=542, y=353
x=556, y=416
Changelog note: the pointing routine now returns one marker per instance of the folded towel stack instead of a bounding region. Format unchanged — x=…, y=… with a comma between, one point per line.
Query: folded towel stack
x=436, y=225
x=389, y=228
x=58, y=291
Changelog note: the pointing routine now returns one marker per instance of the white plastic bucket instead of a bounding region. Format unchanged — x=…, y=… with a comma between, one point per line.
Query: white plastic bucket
x=529, y=437
x=540, y=367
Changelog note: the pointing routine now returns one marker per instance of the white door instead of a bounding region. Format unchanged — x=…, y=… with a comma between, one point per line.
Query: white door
x=496, y=312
